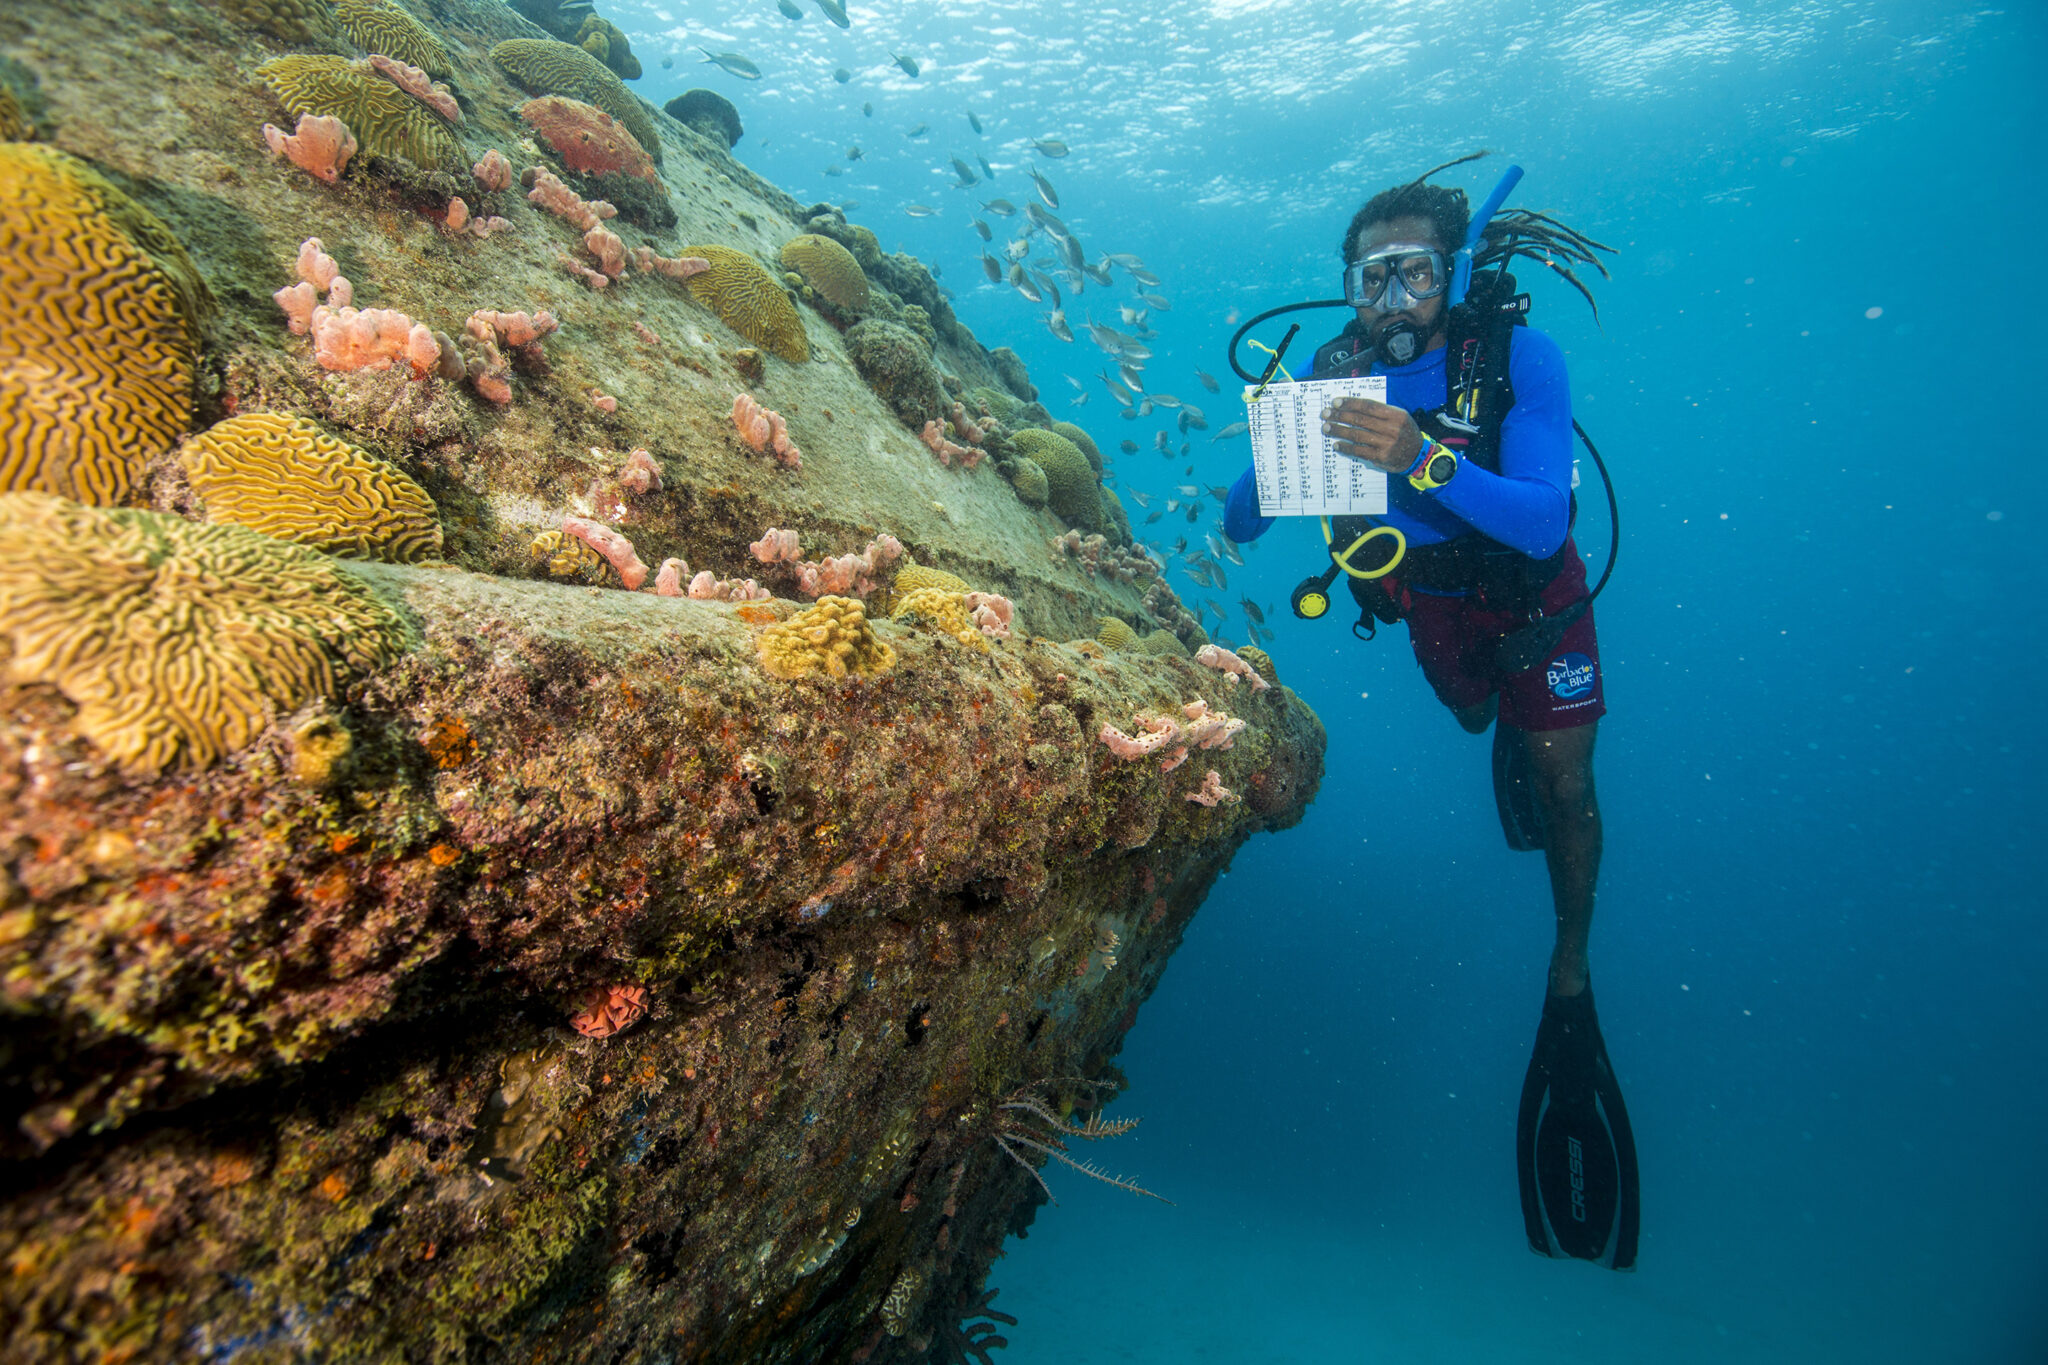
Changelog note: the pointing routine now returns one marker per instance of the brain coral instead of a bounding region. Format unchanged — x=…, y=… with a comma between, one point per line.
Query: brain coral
x=296, y=20
x=14, y=121
x=1082, y=442
x=99, y=328
x=1028, y=478
x=546, y=67
x=828, y=268
x=1113, y=510
x=567, y=557
x=943, y=611
x=389, y=31
x=1163, y=642
x=898, y=367
x=1261, y=662
x=749, y=300
x=602, y=39
x=914, y=577
x=588, y=140
x=1070, y=484
x=385, y=120
x=176, y=641
x=1113, y=633
x=833, y=638
x=283, y=476
x=1000, y=404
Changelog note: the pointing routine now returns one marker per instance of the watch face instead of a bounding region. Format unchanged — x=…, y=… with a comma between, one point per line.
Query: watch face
x=1442, y=467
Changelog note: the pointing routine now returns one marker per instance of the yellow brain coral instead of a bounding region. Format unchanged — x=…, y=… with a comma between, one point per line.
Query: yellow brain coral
x=1112, y=633
x=385, y=120
x=912, y=576
x=546, y=67
x=99, y=330
x=566, y=557
x=748, y=300
x=176, y=641
x=389, y=31
x=1070, y=484
x=283, y=476
x=1163, y=642
x=296, y=20
x=1261, y=662
x=943, y=611
x=833, y=638
x=14, y=122
x=828, y=268
x=1083, y=442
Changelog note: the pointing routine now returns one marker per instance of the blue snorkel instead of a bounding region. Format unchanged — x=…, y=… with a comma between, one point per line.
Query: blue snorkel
x=1461, y=268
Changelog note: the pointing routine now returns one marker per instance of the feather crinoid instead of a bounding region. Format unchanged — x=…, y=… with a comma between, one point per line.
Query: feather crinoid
x=1028, y=1119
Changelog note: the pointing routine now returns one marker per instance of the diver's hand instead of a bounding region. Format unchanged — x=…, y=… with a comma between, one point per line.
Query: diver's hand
x=1373, y=432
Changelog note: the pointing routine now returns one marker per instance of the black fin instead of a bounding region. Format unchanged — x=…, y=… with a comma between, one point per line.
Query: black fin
x=1514, y=793
x=1574, y=1150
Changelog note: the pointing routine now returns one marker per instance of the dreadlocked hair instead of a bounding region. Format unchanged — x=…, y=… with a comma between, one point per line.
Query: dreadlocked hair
x=1513, y=233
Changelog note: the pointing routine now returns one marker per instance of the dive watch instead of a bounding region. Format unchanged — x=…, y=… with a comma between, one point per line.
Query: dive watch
x=1433, y=468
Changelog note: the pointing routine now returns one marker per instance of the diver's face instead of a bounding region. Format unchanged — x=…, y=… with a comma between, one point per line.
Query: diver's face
x=1426, y=314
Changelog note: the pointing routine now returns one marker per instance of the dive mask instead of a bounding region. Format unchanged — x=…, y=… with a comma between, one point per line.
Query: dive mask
x=1396, y=277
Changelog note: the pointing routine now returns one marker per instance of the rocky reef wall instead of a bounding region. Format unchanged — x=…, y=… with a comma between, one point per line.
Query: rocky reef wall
x=426, y=931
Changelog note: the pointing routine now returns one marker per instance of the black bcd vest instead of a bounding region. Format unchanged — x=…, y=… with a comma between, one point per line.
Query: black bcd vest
x=1476, y=360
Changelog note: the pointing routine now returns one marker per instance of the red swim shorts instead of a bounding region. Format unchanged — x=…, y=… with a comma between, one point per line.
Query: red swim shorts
x=1455, y=638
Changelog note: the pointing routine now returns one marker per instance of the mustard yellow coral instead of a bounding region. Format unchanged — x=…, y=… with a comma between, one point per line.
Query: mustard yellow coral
x=1261, y=662
x=546, y=67
x=176, y=641
x=389, y=31
x=566, y=557
x=833, y=638
x=828, y=268
x=943, y=611
x=1083, y=442
x=1071, y=488
x=1112, y=633
x=385, y=120
x=100, y=312
x=14, y=121
x=283, y=476
x=296, y=20
x=749, y=300
x=912, y=576
x=1163, y=642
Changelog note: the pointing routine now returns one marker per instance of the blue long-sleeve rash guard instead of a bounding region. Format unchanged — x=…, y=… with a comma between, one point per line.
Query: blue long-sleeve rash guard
x=1527, y=506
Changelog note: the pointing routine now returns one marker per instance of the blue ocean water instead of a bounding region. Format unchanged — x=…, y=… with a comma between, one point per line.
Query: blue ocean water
x=1820, y=947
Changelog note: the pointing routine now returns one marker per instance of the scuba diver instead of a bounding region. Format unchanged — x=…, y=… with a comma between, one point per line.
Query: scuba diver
x=1476, y=441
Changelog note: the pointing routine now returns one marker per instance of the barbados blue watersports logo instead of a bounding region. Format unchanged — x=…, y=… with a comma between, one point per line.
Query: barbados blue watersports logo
x=1570, y=676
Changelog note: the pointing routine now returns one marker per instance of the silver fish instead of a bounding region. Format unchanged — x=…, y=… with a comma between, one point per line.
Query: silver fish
x=1144, y=408
x=854, y=152
x=983, y=229
x=1180, y=546
x=732, y=62
x=973, y=122
x=1135, y=349
x=1216, y=607
x=1154, y=517
x=842, y=75
x=1184, y=455
x=1159, y=443
x=1016, y=250
x=1202, y=576
x=1143, y=499
x=966, y=174
x=1050, y=146
x=1046, y=221
x=1002, y=208
x=789, y=9
x=1188, y=490
x=909, y=64
x=1173, y=505
x=1191, y=419
x=668, y=63
x=920, y=210
x=1023, y=285
x=1124, y=259
x=1230, y=552
x=1220, y=492
x=1251, y=610
x=1165, y=400
x=1056, y=323
x=835, y=169
x=1070, y=248
x=1132, y=317
x=1128, y=447
x=988, y=172
x=1234, y=429
x=867, y=110
x=992, y=268
x=1046, y=192
x=835, y=11
x=1123, y=396
x=1215, y=544
x=1208, y=381
x=1048, y=288
x=1098, y=273
x=1195, y=510
x=1144, y=277
x=919, y=131
x=1155, y=301
x=1134, y=375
